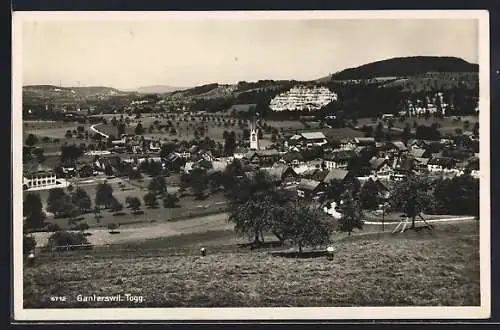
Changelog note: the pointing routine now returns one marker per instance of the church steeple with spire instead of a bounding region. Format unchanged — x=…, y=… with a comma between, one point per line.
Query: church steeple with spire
x=254, y=135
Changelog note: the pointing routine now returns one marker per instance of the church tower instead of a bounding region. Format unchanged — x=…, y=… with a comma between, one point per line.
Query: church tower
x=254, y=136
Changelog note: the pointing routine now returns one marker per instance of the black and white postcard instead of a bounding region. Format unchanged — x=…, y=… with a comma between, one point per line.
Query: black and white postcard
x=262, y=165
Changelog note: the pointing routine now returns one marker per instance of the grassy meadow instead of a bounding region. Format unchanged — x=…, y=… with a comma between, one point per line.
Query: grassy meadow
x=424, y=268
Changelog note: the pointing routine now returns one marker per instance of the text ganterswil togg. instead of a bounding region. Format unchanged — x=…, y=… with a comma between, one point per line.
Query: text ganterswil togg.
x=127, y=297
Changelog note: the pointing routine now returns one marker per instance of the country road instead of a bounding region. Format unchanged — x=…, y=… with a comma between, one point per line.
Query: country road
x=214, y=222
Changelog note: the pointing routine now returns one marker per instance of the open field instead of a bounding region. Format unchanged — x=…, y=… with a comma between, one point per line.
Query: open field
x=447, y=125
x=188, y=205
x=438, y=268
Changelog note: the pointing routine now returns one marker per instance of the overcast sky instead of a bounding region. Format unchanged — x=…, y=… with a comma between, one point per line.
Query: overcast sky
x=185, y=53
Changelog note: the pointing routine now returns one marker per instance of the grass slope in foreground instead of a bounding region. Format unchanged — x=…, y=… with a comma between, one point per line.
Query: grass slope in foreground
x=439, y=268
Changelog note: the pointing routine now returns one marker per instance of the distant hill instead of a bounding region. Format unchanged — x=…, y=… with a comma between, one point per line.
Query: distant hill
x=50, y=93
x=159, y=89
x=404, y=67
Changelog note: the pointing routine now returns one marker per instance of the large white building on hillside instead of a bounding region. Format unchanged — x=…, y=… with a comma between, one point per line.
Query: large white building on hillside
x=303, y=98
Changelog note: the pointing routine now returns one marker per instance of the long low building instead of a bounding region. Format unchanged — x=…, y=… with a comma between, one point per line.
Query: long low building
x=39, y=179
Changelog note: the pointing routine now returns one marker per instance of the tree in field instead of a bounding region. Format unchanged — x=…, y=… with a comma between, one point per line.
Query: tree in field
x=411, y=196
x=70, y=154
x=115, y=205
x=459, y=195
x=59, y=203
x=104, y=195
x=33, y=211
x=369, y=195
x=29, y=244
x=97, y=212
x=306, y=226
x=134, y=203
x=82, y=200
x=170, y=201
x=335, y=189
x=167, y=149
x=139, y=130
x=31, y=140
x=150, y=200
x=256, y=206
x=158, y=185
x=379, y=132
x=351, y=213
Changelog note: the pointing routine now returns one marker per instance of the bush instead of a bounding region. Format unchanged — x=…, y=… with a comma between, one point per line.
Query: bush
x=81, y=226
x=53, y=227
x=29, y=243
x=112, y=227
x=119, y=214
x=64, y=240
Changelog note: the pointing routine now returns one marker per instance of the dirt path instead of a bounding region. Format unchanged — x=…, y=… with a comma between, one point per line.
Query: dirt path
x=162, y=229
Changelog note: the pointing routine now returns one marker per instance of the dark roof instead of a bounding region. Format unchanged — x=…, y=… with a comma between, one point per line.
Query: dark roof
x=289, y=156
x=364, y=140
x=376, y=163
x=310, y=185
x=340, y=155
x=400, y=145
x=277, y=172
x=442, y=161
x=336, y=174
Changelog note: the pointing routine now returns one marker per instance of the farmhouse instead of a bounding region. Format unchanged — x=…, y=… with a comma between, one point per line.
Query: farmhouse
x=380, y=167
x=338, y=159
x=337, y=174
x=311, y=139
x=310, y=189
x=438, y=164
x=293, y=158
x=282, y=175
x=263, y=157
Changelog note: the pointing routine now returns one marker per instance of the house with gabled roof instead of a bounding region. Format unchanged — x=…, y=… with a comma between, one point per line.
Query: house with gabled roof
x=310, y=189
x=311, y=139
x=336, y=174
x=282, y=174
x=338, y=158
x=380, y=167
x=263, y=157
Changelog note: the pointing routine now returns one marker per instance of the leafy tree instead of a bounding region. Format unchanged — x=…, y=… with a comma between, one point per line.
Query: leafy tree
x=53, y=227
x=31, y=140
x=158, y=185
x=459, y=195
x=369, y=195
x=139, y=130
x=306, y=226
x=33, y=210
x=334, y=189
x=351, y=214
x=170, y=201
x=412, y=196
x=82, y=200
x=29, y=243
x=68, y=240
x=134, y=203
x=150, y=200
x=167, y=149
x=59, y=203
x=113, y=227
x=256, y=206
x=104, y=195
x=115, y=205
x=70, y=153
x=82, y=227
